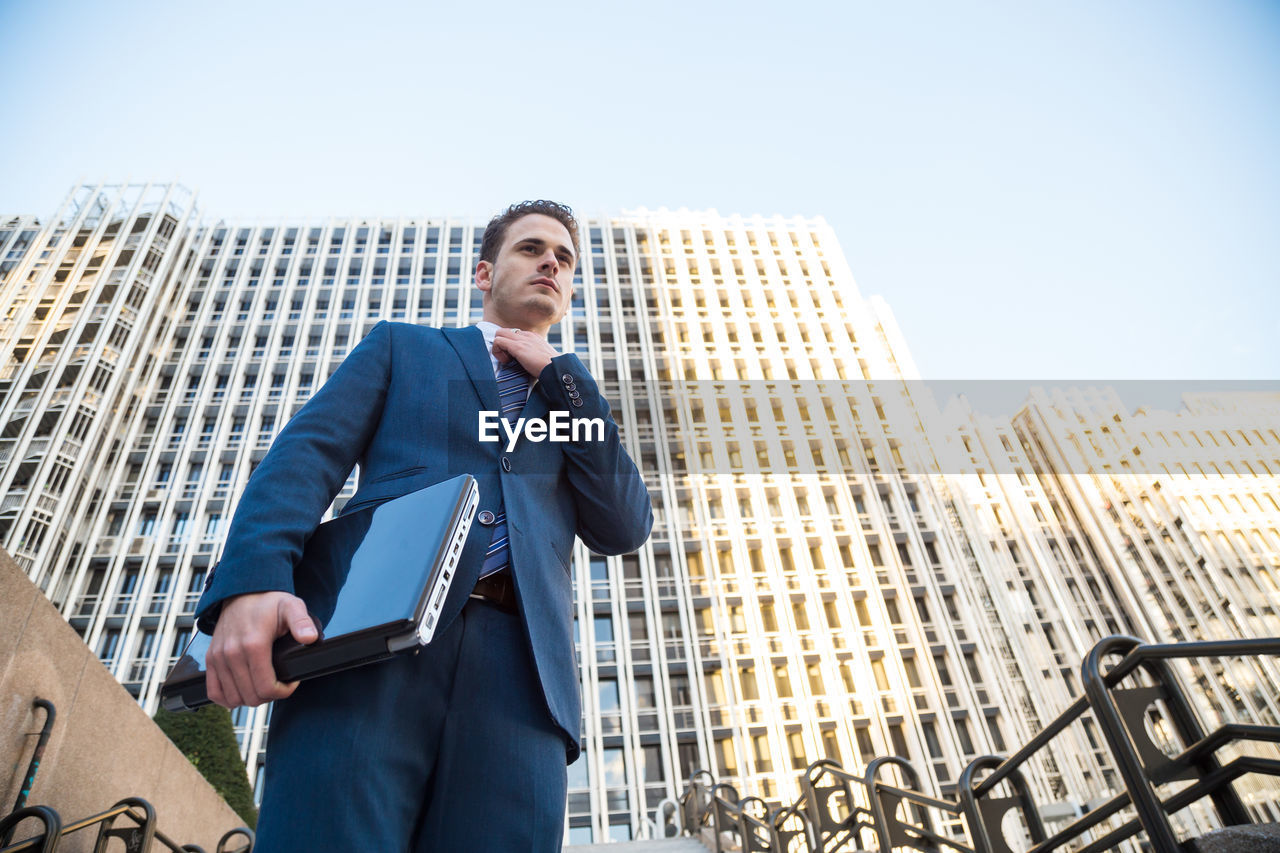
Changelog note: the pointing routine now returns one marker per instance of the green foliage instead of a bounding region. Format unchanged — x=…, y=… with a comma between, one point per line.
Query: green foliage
x=208, y=739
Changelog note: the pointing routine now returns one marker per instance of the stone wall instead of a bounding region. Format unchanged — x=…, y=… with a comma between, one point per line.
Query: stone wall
x=103, y=747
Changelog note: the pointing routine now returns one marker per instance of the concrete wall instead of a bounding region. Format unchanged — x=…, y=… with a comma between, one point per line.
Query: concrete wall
x=103, y=747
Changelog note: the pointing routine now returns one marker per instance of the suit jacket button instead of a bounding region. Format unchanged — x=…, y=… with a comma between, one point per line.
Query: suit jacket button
x=569, y=386
x=577, y=403
x=485, y=517
x=574, y=395
x=567, y=379
x=506, y=464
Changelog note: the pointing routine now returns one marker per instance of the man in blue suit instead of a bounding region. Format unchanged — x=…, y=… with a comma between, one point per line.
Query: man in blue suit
x=463, y=746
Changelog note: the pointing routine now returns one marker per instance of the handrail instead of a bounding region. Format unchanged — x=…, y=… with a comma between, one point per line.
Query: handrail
x=696, y=796
x=890, y=830
x=723, y=816
x=139, y=837
x=754, y=832
x=1119, y=711
x=136, y=838
x=48, y=840
x=1142, y=765
x=990, y=812
x=24, y=791
x=1225, y=734
x=760, y=830
x=1048, y=733
x=666, y=817
x=50, y=713
x=1208, y=648
x=30, y=843
x=1232, y=770
x=1074, y=830
x=919, y=798
x=783, y=838
x=831, y=833
x=232, y=833
x=1138, y=780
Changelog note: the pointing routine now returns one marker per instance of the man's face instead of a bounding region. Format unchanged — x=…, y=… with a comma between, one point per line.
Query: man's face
x=529, y=285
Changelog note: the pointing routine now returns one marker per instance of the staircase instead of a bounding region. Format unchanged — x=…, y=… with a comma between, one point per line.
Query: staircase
x=663, y=845
x=1249, y=838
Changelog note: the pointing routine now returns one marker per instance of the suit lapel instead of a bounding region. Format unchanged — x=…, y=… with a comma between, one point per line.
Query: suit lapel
x=535, y=407
x=469, y=345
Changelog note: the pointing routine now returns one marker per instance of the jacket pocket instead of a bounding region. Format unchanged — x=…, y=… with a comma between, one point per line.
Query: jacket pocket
x=388, y=487
x=395, y=475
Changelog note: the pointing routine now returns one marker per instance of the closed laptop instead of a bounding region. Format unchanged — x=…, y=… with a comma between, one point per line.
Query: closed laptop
x=373, y=581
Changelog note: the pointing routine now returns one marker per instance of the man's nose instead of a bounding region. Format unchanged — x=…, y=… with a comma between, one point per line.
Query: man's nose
x=549, y=261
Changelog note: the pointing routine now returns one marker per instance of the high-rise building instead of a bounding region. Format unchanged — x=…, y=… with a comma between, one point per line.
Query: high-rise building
x=836, y=569
x=1090, y=519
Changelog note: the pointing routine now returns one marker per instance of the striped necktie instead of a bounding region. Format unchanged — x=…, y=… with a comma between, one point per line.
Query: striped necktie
x=513, y=389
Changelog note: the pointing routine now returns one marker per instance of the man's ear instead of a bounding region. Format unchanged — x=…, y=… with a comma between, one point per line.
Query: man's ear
x=484, y=276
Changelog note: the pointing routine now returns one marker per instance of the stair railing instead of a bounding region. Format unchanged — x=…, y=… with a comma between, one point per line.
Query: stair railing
x=827, y=799
x=1121, y=710
x=911, y=826
x=838, y=810
x=132, y=821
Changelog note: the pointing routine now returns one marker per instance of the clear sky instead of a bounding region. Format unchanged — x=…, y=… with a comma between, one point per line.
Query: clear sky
x=1056, y=190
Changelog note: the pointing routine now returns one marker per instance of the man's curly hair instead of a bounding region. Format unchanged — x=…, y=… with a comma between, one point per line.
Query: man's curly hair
x=496, y=230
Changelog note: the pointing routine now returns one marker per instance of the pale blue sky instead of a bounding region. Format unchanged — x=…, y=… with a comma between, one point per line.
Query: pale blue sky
x=1083, y=190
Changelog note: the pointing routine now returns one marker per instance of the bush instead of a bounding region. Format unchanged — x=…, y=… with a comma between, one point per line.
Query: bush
x=208, y=740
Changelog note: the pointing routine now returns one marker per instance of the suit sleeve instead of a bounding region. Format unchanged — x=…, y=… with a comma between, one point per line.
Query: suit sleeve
x=615, y=514
x=297, y=480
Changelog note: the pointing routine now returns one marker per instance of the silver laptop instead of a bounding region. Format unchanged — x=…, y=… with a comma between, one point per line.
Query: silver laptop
x=374, y=582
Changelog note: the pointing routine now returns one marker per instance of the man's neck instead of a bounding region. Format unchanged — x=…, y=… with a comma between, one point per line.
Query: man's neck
x=504, y=324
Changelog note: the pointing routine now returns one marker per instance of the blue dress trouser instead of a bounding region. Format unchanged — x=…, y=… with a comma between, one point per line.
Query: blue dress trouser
x=451, y=749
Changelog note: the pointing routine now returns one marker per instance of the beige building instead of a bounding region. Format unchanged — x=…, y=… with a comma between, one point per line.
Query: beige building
x=837, y=568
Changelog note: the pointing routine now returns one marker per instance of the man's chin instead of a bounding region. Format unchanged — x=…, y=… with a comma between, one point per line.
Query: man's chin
x=540, y=312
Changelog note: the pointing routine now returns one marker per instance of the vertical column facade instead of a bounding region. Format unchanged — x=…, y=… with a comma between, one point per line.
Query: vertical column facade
x=836, y=569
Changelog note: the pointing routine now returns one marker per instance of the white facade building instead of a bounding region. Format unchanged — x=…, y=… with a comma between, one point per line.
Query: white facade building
x=829, y=575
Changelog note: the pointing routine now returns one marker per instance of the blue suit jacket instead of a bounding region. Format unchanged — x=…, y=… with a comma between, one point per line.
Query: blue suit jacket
x=404, y=405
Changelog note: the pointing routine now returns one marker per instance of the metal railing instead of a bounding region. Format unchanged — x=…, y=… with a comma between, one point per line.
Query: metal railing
x=881, y=817
x=748, y=824
x=839, y=810
x=131, y=821
x=136, y=830
x=1120, y=710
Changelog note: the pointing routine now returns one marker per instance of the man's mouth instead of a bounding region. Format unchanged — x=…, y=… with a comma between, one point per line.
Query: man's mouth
x=546, y=282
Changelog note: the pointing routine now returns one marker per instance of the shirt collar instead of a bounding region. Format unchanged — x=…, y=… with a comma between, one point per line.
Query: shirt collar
x=489, y=330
